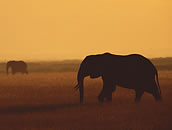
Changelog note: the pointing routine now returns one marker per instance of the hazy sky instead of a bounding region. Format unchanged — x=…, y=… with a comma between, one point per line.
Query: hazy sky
x=72, y=29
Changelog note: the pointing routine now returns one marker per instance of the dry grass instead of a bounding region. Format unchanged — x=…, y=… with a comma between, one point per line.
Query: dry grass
x=48, y=101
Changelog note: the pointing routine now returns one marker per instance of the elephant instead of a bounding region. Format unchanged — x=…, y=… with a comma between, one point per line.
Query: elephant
x=17, y=66
x=132, y=71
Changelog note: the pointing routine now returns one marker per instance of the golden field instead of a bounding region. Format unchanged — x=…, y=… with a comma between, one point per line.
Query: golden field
x=46, y=101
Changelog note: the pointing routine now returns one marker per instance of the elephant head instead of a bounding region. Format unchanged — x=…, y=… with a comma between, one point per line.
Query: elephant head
x=7, y=67
x=91, y=66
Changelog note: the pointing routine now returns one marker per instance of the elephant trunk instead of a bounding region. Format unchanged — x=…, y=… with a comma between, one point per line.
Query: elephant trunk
x=81, y=90
x=80, y=78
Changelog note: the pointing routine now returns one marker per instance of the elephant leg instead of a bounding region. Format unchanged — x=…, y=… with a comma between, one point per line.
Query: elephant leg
x=109, y=95
x=139, y=94
x=156, y=95
x=13, y=71
x=106, y=92
x=101, y=96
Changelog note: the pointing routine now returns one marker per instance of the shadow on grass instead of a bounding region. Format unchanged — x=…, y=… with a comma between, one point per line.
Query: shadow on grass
x=41, y=108
x=37, y=108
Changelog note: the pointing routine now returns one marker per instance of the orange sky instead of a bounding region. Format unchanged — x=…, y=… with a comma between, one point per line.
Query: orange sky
x=72, y=29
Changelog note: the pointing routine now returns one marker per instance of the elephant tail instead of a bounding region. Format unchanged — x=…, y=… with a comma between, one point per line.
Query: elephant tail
x=157, y=83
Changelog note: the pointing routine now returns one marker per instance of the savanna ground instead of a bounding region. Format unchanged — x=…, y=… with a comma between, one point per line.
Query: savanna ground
x=39, y=101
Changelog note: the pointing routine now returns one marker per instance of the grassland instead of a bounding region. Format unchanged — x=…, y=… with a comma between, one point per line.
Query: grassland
x=46, y=101
x=48, y=66
x=73, y=65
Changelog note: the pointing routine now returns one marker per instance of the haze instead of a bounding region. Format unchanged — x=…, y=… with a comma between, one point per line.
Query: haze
x=72, y=29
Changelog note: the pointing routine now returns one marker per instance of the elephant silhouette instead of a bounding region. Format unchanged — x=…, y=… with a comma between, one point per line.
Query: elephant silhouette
x=16, y=66
x=132, y=71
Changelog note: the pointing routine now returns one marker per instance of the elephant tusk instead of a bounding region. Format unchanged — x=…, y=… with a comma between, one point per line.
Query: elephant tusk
x=76, y=87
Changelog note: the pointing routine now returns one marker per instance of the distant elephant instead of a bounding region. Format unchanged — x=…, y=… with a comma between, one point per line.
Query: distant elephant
x=17, y=66
x=131, y=71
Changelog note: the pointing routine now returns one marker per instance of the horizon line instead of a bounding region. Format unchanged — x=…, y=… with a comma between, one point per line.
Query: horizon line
x=63, y=60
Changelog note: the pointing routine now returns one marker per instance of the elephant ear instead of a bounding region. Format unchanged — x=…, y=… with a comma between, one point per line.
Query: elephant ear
x=95, y=67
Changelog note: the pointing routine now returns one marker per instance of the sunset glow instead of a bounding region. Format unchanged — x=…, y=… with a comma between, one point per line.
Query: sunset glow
x=72, y=29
